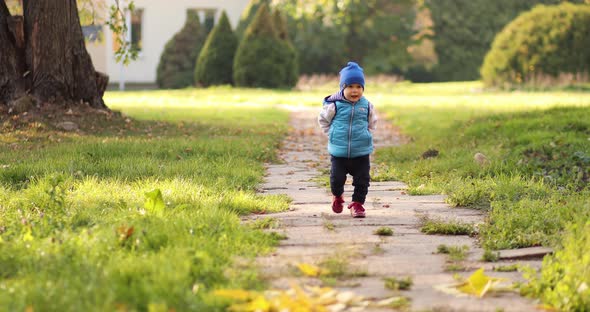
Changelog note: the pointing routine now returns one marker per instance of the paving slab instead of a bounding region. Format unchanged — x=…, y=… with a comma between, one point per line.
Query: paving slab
x=524, y=253
x=315, y=234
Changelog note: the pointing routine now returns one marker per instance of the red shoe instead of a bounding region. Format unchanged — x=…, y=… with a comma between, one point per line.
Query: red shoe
x=337, y=204
x=357, y=210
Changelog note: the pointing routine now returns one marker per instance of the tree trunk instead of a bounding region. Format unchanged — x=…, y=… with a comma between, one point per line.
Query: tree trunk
x=51, y=63
x=11, y=56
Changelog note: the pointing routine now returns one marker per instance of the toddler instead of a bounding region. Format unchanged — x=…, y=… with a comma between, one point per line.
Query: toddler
x=349, y=119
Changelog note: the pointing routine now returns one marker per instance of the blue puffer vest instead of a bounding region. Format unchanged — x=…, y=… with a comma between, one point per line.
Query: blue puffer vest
x=349, y=131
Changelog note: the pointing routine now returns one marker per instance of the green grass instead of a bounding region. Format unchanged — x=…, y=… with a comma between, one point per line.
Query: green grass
x=432, y=226
x=535, y=183
x=456, y=253
x=265, y=224
x=329, y=225
x=455, y=256
x=75, y=229
x=384, y=231
x=507, y=268
x=78, y=194
x=490, y=256
x=395, y=283
x=537, y=145
x=564, y=281
x=338, y=267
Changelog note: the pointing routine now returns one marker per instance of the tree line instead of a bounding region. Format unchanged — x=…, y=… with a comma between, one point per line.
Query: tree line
x=259, y=54
x=422, y=40
x=43, y=57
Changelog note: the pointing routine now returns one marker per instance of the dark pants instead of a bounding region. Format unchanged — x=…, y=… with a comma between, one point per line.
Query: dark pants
x=358, y=168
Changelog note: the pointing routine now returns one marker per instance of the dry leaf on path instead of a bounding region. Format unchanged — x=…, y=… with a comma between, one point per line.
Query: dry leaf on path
x=478, y=284
x=309, y=269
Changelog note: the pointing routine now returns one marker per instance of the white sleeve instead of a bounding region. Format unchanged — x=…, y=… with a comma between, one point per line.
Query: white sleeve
x=326, y=116
x=372, y=118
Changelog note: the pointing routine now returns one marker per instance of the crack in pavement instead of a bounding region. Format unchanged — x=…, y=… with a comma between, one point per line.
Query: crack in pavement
x=315, y=233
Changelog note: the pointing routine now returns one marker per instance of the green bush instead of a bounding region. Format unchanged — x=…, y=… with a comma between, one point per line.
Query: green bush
x=419, y=73
x=177, y=63
x=248, y=15
x=547, y=41
x=215, y=62
x=465, y=29
x=261, y=55
x=564, y=280
x=311, y=37
x=289, y=53
x=375, y=33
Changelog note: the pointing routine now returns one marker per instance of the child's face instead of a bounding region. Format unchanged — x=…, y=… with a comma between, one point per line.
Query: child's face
x=353, y=92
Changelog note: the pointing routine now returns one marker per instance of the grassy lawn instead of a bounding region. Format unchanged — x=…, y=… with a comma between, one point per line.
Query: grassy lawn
x=78, y=231
x=537, y=147
x=143, y=214
x=533, y=181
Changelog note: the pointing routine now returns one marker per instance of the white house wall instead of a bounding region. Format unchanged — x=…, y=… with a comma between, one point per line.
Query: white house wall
x=98, y=52
x=161, y=20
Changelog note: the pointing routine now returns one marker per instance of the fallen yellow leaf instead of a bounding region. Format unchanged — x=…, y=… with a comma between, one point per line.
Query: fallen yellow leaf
x=235, y=294
x=259, y=304
x=295, y=299
x=309, y=269
x=478, y=283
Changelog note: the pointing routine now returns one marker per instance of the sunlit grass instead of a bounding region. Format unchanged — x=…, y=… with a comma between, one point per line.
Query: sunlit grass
x=75, y=231
x=534, y=183
x=214, y=98
x=537, y=143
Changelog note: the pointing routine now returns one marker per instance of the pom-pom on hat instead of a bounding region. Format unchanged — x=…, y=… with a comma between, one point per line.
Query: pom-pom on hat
x=350, y=74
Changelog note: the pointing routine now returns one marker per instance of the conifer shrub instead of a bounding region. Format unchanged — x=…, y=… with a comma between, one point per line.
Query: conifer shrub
x=289, y=54
x=248, y=16
x=177, y=62
x=260, y=58
x=215, y=62
x=546, y=41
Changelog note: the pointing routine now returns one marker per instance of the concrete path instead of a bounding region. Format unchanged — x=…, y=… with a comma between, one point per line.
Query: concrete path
x=316, y=235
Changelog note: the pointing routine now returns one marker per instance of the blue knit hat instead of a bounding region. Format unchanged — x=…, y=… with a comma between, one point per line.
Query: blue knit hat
x=350, y=74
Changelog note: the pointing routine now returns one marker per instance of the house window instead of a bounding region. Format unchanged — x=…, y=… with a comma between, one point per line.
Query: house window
x=134, y=22
x=15, y=6
x=209, y=21
x=206, y=17
x=92, y=33
x=136, y=29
